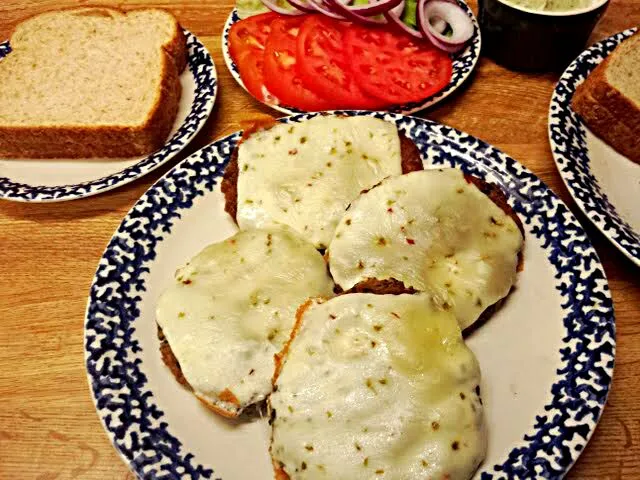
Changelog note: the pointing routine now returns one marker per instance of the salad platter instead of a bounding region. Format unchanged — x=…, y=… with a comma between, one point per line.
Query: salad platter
x=389, y=61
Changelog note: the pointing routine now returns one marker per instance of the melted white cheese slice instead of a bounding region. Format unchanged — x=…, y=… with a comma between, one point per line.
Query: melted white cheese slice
x=305, y=174
x=232, y=307
x=378, y=386
x=435, y=232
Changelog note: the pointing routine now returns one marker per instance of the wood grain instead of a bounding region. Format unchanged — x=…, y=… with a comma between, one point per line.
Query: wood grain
x=49, y=253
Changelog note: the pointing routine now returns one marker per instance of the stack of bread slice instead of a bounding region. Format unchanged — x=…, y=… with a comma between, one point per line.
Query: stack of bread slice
x=609, y=99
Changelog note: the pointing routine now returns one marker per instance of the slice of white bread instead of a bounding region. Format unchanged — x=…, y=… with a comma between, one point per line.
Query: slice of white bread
x=609, y=99
x=90, y=82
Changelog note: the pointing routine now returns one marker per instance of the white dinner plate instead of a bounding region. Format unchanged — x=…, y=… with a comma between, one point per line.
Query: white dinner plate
x=546, y=356
x=604, y=184
x=54, y=180
x=463, y=64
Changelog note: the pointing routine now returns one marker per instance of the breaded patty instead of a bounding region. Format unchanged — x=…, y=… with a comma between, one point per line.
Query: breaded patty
x=437, y=231
x=372, y=355
x=410, y=162
x=220, y=347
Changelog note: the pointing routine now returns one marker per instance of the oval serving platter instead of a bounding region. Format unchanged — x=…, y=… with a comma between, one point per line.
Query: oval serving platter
x=604, y=184
x=54, y=180
x=546, y=356
x=463, y=64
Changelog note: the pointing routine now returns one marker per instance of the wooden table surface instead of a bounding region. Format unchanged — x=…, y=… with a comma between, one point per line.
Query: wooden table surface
x=48, y=255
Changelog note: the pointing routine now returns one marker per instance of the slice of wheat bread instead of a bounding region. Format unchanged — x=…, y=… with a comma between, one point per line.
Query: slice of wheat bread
x=615, y=83
x=605, y=125
x=90, y=82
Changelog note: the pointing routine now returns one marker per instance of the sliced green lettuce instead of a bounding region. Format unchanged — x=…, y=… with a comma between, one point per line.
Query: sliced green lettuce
x=248, y=8
x=409, y=14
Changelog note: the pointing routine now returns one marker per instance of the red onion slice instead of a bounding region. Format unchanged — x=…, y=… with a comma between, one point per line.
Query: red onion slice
x=393, y=16
x=274, y=7
x=451, y=13
x=323, y=7
x=375, y=7
x=438, y=24
x=350, y=14
x=302, y=5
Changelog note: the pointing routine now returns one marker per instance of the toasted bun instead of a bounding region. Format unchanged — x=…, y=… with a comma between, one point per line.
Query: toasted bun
x=91, y=82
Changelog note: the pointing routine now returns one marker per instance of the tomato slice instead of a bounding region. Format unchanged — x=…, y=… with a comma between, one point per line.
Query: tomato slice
x=280, y=72
x=250, y=34
x=251, y=67
x=247, y=39
x=323, y=64
x=395, y=68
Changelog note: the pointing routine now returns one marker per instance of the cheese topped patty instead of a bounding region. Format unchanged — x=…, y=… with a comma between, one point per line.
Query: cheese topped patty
x=305, y=174
x=377, y=386
x=435, y=232
x=232, y=307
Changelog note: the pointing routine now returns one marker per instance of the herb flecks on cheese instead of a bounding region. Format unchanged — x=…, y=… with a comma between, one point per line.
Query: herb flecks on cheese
x=305, y=175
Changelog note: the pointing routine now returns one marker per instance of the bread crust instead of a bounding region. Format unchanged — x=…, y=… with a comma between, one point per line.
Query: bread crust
x=409, y=154
x=106, y=141
x=607, y=112
x=621, y=108
x=605, y=125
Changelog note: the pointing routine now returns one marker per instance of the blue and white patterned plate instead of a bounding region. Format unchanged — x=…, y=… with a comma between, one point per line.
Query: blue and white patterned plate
x=463, y=64
x=604, y=184
x=30, y=180
x=546, y=356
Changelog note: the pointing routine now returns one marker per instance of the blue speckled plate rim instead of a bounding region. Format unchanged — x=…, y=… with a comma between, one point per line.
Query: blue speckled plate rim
x=203, y=69
x=558, y=434
x=575, y=165
x=463, y=65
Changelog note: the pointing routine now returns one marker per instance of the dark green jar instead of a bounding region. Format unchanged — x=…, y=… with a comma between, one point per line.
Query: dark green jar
x=535, y=40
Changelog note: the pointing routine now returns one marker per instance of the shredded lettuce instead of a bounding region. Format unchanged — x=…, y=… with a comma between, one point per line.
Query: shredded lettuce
x=248, y=8
x=410, y=12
